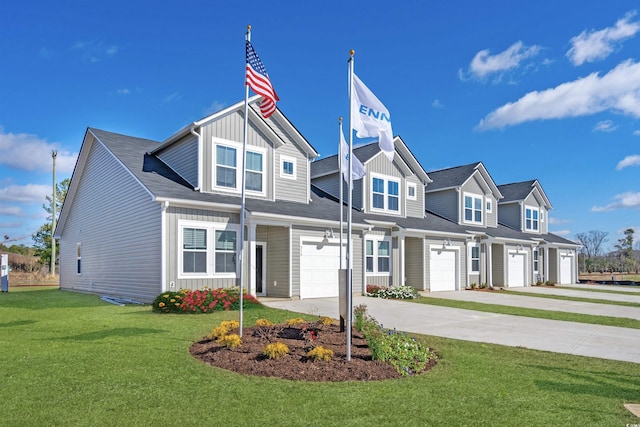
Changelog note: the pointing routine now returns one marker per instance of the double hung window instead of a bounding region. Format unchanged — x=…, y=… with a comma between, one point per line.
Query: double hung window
x=378, y=256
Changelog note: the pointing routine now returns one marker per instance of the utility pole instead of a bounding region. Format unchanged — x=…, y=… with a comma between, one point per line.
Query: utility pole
x=54, y=153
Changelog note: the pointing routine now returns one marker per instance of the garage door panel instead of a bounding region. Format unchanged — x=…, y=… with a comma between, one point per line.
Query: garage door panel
x=566, y=263
x=319, y=265
x=443, y=271
x=517, y=269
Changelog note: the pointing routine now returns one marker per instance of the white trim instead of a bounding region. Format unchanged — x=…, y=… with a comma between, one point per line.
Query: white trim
x=537, y=221
x=291, y=160
x=488, y=205
x=385, y=194
x=473, y=197
x=376, y=239
x=471, y=246
x=415, y=191
x=456, y=250
x=238, y=168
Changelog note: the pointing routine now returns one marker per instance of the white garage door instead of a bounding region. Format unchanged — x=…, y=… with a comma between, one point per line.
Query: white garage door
x=319, y=265
x=442, y=267
x=566, y=263
x=516, y=270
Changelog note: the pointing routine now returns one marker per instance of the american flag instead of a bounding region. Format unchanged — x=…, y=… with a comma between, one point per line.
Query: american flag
x=258, y=80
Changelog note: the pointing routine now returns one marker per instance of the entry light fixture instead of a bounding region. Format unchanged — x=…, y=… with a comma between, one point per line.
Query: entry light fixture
x=328, y=234
x=446, y=242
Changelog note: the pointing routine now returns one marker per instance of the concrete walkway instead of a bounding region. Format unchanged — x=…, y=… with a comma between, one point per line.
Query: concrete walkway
x=582, y=339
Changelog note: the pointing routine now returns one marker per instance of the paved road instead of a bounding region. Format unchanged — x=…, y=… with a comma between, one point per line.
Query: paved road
x=605, y=342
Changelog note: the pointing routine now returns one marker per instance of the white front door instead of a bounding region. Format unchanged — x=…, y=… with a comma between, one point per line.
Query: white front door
x=443, y=270
x=516, y=270
x=566, y=263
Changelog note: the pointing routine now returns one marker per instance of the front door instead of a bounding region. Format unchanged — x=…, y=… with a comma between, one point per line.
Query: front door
x=261, y=276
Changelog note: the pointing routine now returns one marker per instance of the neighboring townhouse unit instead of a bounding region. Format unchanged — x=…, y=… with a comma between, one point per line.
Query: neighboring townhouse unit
x=143, y=217
x=525, y=207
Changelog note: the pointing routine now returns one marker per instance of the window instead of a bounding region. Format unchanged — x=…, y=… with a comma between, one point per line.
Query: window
x=225, y=252
x=254, y=171
x=489, y=206
x=535, y=260
x=531, y=219
x=412, y=191
x=79, y=258
x=473, y=209
x=378, y=256
x=194, y=250
x=288, y=167
x=228, y=167
x=385, y=194
x=475, y=259
x=207, y=249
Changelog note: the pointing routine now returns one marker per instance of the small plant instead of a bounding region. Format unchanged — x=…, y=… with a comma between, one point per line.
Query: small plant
x=325, y=320
x=275, y=350
x=394, y=292
x=295, y=321
x=473, y=286
x=549, y=283
x=483, y=286
x=202, y=300
x=225, y=327
x=264, y=322
x=167, y=302
x=539, y=283
x=320, y=353
x=230, y=341
x=309, y=336
x=266, y=330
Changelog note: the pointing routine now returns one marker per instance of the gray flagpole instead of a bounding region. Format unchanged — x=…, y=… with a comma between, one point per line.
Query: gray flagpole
x=340, y=154
x=244, y=168
x=349, y=215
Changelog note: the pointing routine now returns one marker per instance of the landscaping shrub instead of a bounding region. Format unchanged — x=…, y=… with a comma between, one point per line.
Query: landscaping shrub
x=320, y=353
x=230, y=341
x=275, y=350
x=400, y=350
x=202, y=300
x=295, y=321
x=394, y=292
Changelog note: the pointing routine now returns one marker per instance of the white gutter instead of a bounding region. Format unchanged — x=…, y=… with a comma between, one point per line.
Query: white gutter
x=200, y=157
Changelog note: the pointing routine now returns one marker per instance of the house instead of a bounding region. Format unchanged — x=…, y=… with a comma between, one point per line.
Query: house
x=143, y=217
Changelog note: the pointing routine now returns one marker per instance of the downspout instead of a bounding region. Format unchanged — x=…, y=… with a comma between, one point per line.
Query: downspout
x=200, y=157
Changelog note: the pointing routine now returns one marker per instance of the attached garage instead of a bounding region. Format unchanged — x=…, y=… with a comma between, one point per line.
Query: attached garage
x=319, y=265
x=516, y=270
x=566, y=267
x=443, y=270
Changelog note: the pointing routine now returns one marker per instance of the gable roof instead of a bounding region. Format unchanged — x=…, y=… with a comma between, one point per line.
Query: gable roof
x=406, y=161
x=518, y=191
x=457, y=176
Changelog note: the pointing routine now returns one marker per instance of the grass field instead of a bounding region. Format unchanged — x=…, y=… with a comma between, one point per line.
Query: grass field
x=71, y=359
x=607, y=276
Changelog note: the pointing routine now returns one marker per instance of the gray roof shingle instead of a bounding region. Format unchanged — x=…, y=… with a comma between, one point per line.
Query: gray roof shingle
x=450, y=177
x=516, y=190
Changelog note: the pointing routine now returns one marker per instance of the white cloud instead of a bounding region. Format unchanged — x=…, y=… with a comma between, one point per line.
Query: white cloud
x=11, y=210
x=624, y=200
x=604, y=126
x=562, y=232
x=618, y=90
x=94, y=51
x=595, y=45
x=484, y=64
x=124, y=91
x=556, y=221
x=437, y=104
x=28, y=152
x=636, y=132
x=29, y=193
x=631, y=160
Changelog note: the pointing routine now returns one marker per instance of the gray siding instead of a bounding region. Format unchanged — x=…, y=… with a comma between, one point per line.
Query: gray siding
x=172, y=239
x=182, y=157
x=292, y=189
x=415, y=208
x=498, y=260
x=278, y=255
x=118, y=227
x=492, y=217
x=510, y=214
x=554, y=265
x=473, y=186
x=414, y=262
x=444, y=203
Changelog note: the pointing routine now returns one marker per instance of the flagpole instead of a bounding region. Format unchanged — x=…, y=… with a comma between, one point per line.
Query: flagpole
x=349, y=215
x=244, y=168
x=340, y=175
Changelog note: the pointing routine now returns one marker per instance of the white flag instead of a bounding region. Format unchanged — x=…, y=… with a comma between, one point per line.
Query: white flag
x=357, y=168
x=371, y=118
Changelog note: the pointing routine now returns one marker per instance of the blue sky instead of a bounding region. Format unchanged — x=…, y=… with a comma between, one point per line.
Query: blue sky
x=541, y=90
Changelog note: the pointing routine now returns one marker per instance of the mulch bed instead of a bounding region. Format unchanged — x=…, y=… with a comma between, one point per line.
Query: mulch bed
x=248, y=359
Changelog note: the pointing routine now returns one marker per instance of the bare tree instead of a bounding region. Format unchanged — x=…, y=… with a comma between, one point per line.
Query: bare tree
x=592, y=242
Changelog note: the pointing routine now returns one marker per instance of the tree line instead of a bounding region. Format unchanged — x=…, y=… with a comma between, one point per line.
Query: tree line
x=593, y=257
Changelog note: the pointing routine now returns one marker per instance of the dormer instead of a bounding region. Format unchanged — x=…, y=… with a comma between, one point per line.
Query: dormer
x=465, y=194
x=524, y=207
x=209, y=155
x=389, y=188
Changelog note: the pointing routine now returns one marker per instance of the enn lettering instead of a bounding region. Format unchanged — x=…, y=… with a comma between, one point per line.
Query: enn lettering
x=378, y=115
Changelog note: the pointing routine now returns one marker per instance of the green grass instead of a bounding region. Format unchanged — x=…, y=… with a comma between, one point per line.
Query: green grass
x=71, y=359
x=571, y=298
x=614, y=290
x=622, y=322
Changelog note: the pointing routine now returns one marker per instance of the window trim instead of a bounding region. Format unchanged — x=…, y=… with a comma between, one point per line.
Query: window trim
x=79, y=258
x=535, y=257
x=385, y=194
x=473, y=246
x=291, y=160
x=415, y=191
x=532, y=209
x=211, y=228
x=376, y=256
x=473, y=197
x=489, y=205
x=238, y=167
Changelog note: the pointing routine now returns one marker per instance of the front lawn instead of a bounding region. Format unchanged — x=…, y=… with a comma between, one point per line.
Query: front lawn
x=72, y=359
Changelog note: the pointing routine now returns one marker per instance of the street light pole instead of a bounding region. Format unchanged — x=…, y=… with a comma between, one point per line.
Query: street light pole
x=54, y=153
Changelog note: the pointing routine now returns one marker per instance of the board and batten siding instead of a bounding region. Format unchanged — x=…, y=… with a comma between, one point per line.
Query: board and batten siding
x=492, y=217
x=118, y=227
x=498, y=260
x=230, y=128
x=535, y=200
x=414, y=262
x=278, y=266
x=380, y=165
x=182, y=157
x=444, y=203
x=295, y=190
x=172, y=240
x=415, y=208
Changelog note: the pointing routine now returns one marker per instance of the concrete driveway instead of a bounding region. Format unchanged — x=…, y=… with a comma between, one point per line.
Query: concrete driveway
x=582, y=339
